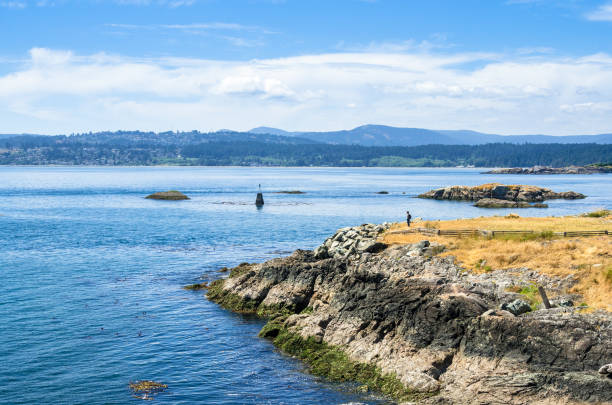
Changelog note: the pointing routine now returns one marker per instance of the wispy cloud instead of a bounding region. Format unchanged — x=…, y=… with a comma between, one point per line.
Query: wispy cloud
x=208, y=26
x=435, y=42
x=603, y=13
x=237, y=35
x=165, y=3
x=62, y=91
x=13, y=4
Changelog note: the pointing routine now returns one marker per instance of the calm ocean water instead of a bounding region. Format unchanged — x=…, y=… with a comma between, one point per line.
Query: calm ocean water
x=92, y=273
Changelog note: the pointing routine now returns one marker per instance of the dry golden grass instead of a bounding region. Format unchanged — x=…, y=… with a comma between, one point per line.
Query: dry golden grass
x=587, y=258
x=489, y=186
x=514, y=222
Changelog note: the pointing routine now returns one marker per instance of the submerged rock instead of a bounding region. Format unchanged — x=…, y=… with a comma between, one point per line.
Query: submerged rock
x=171, y=195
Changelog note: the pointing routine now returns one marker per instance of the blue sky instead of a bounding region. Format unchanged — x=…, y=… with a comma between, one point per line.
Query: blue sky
x=510, y=66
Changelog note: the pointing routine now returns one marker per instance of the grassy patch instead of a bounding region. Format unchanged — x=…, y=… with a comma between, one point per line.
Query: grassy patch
x=523, y=237
x=585, y=258
x=530, y=293
x=331, y=362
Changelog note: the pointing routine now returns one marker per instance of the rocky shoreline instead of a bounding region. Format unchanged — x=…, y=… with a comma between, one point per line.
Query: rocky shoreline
x=495, y=195
x=405, y=322
x=554, y=170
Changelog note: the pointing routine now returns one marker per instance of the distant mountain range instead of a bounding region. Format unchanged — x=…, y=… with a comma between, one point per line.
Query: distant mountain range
x=382, y=135
x=363, y=146
x=366, y=135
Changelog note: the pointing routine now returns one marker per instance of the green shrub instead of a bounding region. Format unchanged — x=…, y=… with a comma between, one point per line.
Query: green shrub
x=597, y=214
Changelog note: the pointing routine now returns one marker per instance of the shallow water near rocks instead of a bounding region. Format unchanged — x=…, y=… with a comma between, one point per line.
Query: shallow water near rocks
x=92, y=273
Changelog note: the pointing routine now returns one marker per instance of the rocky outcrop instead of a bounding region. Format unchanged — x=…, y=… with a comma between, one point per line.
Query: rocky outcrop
x=554, y=170
x=497, y=203
x=416, y=326
x=171, y=195
x=352, y=241
x=519, y=193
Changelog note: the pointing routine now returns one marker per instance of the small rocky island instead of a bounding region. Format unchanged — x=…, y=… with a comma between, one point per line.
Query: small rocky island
x=171, y=195
x=416, y=326
x=495, y=195
x=590, y=169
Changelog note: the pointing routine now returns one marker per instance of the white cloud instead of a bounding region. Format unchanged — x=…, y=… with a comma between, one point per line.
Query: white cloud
x=603, y=13
x=60, y=91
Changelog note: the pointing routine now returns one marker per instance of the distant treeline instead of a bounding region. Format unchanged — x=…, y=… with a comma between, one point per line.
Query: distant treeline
x=489, y=155
x=43, y=150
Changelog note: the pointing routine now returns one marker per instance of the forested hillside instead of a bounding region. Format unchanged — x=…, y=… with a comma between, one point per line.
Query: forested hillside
x=272, y=150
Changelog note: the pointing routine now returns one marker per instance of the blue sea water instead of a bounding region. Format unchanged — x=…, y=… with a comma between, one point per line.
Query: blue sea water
x=92, y=273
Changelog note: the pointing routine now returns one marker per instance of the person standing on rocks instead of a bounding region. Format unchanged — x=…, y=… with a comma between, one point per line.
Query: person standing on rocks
x=408, y=218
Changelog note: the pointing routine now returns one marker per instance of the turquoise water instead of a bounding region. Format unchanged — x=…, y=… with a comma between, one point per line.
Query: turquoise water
x=92, y=273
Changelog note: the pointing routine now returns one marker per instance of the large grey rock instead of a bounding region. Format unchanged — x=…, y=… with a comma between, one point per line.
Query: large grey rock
x=516, y=307
x=321, y=252
x=497, y=191
x=371, y=246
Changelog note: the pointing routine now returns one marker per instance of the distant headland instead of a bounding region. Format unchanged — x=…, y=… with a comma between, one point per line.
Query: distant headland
x=589, y=169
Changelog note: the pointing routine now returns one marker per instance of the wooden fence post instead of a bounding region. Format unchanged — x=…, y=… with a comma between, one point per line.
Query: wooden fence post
x=544, y=297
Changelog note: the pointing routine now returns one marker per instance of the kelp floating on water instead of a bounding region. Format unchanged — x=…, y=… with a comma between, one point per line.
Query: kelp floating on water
x=146, y=389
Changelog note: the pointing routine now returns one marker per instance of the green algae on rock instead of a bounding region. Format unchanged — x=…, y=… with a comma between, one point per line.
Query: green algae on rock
x=196, y=286
x=171, y=195
x=333, y=363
